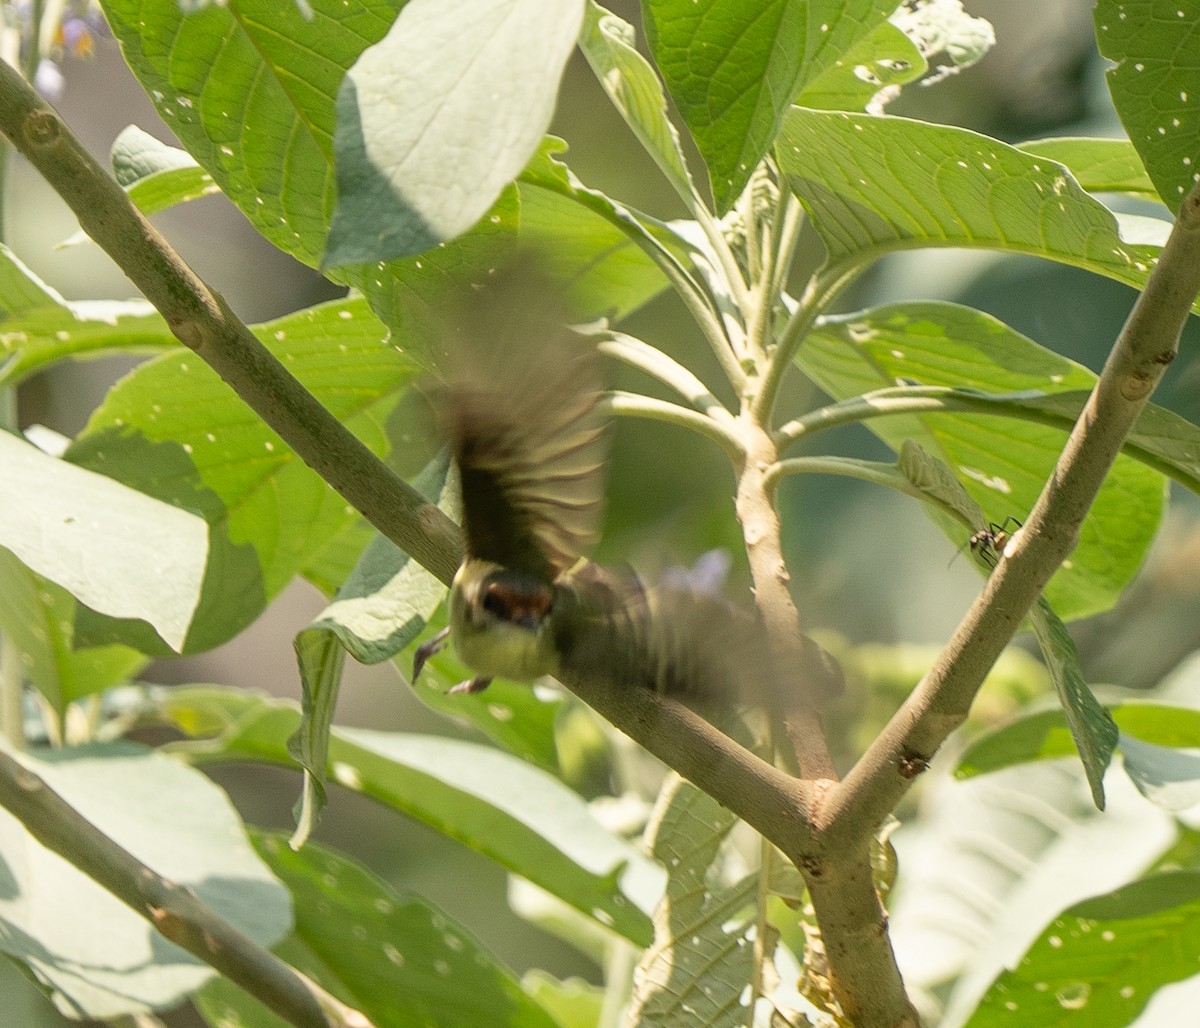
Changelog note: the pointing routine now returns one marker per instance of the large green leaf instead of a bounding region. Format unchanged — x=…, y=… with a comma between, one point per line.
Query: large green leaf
x=610, y=46
x=1099, y=962
x=96, y=957
x=38, y=617
x=384, y=604
x=698, y=965
x=435, y=119
x=123, y=553
x=697, y=970
x=993, y=859
x=390, y=956
x=497, y=804
x=39, y=328
x=887, y=57
x=1155, y=85
x=596, y=249
x=874, y=185
x=1099, y=165
x=1157, y=742
x=1003, y=463
x=174, y=430
x=733, y=66
x=249, y=89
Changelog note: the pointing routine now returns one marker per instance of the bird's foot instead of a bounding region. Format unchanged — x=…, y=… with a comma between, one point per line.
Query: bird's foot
x=428, y=649
x=476, y=684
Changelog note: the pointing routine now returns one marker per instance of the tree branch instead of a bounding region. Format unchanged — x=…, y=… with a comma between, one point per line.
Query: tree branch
x=173, y=909
x=1149, y=341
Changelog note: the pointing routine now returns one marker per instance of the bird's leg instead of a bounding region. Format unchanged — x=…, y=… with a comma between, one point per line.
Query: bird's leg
x=476, y=684
x=428, y=649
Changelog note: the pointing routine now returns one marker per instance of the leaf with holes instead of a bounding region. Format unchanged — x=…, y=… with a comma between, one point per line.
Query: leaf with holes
x=1003, y=464
x=174, y=430
x=875, y=185
x=1098, y=963
x=1099, y=165
x=733, y=68
x=393, y=957
x=521, y=817
x=1155, y=85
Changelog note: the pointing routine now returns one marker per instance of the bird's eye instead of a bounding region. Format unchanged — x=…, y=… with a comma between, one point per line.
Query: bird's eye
x=494, y=602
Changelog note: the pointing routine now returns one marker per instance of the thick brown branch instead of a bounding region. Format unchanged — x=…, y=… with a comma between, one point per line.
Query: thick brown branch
x=939, y=704
x=173, y=909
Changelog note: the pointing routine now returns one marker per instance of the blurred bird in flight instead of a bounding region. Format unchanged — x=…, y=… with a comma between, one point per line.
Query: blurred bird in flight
x=522, y=409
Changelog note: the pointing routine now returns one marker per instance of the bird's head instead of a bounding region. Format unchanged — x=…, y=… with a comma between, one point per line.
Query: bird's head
x=500, y=621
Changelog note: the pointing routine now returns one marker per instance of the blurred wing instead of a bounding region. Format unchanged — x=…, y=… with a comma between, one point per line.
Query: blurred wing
x=682, y=642
x=523, y=415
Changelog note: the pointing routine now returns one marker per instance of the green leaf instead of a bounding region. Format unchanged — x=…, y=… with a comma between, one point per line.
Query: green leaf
x=597, y=248
x=1004, y=464
x=610, y=46
x=699, y=963
x=156, y=176
x=874, y=185
x=123, y=553
x=249, y=89
x=990, y=861
x=97, y=958
x=1044, y=735
x=1092, y=727
x=1100, y=961
x=20, y=291
x=438, y=117
x=1099, y=165
x=174, y=430
x=39, y=618
x=521, y=718
x=1156, y=84
x=887, y=57
x=574, y=1002
x=384, y=604
x=733, y=67
x=521, y=817
x=1167, y=777
x=391, y=956
x=38, y=327
x=137, y=155
x=936, y=482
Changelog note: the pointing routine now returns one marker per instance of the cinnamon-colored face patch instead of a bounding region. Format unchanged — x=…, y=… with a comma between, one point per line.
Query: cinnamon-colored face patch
x=514, y=604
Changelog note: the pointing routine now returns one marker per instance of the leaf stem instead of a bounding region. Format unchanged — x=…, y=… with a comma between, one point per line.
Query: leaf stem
x=644, y=357
x=636, y=405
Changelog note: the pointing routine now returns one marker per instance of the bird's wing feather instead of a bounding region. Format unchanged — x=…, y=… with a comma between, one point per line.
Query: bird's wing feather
x=523, y=413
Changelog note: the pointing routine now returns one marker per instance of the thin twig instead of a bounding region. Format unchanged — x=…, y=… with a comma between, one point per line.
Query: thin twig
x=853, y=811
x=173, y=909
x=668, y=371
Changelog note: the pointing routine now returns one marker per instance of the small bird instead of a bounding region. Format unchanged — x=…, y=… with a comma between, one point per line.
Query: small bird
x=522, y=410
